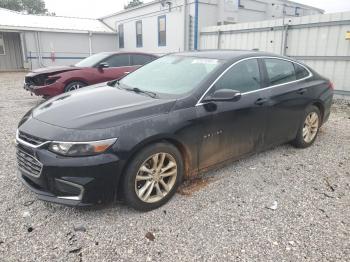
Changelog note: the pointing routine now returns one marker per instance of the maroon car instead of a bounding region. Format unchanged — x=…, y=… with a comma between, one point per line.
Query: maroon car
x=98, y=68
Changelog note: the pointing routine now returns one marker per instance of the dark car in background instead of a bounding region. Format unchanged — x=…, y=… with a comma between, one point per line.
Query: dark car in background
x=137, y=138
x=98, y=68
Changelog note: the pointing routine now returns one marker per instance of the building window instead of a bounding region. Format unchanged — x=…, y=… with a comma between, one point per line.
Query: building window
x=139, y=34
x=2, y=45
x=121, y=35
x=162, y=30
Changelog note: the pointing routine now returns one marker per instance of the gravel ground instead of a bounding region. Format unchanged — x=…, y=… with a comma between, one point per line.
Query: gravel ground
x=225, y=217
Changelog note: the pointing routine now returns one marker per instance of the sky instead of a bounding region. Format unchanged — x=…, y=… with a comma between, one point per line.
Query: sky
x=99, y=8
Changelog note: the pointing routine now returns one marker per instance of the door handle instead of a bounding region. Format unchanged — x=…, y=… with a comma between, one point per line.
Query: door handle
x=261, y=101
x=301, y=91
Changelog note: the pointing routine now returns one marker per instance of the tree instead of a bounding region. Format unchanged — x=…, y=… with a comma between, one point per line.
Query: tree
x=27, y=6
x=133, y=3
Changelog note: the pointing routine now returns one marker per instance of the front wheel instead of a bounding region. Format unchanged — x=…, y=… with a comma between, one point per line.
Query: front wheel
x=74, y=86
x=308, y=131
x=153, y=176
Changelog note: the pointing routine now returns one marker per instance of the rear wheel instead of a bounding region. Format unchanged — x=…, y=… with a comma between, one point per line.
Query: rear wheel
x=74, y=86
x=153, y=176
x=308, y=131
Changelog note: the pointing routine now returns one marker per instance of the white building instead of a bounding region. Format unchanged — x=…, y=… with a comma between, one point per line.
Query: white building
x=164, y=26
x=32, y=41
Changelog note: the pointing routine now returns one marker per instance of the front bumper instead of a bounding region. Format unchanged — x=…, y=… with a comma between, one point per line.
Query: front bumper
x=47, y=90
x=73, y=181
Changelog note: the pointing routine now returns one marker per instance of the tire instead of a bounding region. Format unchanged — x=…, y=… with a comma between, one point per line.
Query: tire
x=74, y=86
x=309, y=128
x=136, y=191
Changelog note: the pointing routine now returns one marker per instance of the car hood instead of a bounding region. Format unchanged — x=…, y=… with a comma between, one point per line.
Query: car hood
x=52, y=70
x=99, y=106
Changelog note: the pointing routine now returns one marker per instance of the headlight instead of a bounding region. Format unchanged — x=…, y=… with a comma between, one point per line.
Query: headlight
x=81, y=148
x=51, y=79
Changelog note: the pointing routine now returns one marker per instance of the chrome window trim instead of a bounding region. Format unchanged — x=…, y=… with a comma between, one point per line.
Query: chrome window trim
x=199, y=103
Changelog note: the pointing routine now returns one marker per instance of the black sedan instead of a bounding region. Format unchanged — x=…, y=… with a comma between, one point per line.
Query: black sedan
x=139, y=137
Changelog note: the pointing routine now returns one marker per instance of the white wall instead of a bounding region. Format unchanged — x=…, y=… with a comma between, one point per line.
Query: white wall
x=180, y=36
x=149, y=16
x=317, y=40
x=68, y=48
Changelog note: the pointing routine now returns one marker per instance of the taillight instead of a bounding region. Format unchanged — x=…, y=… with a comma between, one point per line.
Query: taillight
x=331, y=85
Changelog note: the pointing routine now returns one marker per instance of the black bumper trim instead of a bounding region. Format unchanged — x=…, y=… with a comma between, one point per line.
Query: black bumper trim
x=48, y=197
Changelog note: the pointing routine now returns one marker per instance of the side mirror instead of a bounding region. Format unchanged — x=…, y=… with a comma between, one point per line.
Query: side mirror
x=103, y=65
x=222, y=95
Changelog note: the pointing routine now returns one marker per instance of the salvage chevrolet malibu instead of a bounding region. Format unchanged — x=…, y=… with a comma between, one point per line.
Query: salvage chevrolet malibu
x=136, y=139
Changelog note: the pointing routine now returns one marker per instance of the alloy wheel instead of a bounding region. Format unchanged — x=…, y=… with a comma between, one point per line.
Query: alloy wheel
x=156, y=177
x=310, y=128
x=74, y=87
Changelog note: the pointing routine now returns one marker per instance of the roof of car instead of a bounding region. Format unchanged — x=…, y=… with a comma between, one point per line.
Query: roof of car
x=129, y=53
x=226, y=54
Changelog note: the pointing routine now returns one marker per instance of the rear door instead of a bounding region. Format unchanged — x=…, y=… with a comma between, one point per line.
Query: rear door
x=288, y=85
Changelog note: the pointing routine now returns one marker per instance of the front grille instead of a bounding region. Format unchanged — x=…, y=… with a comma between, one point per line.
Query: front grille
x=28, y=163
x=31, y=139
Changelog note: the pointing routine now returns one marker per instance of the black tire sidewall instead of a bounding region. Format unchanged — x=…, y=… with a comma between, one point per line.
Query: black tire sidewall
x=299, y=141
x=128, y=181
x=73, y=83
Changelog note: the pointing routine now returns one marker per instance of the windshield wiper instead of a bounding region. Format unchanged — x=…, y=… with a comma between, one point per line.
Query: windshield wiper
x=138, y=90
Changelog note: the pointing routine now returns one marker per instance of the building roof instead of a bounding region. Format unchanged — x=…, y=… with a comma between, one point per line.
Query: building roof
x=159, y=1
x=12, y=20
x=131, y=9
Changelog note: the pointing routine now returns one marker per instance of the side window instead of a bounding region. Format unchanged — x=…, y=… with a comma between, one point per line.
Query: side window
x=118, y=60
x=243, y=77
x=279, y=71
x=139, y=40
x=121, y=35
x=2, y=45
x=141, y=59
x=300, y=71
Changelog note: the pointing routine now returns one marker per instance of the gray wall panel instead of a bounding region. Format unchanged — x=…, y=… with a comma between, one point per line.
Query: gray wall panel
x=12, y=60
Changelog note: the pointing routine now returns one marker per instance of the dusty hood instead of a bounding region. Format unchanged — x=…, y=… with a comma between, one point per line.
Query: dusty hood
x=99, y=107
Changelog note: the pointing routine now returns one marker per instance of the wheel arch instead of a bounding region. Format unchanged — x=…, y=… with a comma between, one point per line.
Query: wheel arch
x=183, y=149
x=72, y=80
x=320, y=107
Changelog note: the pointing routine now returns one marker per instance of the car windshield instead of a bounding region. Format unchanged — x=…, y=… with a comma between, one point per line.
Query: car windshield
x=92, y=60
x=172, y=75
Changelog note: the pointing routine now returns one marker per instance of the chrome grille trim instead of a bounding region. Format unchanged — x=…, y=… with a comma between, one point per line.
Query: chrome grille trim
x=28, y=164
x=32, y=139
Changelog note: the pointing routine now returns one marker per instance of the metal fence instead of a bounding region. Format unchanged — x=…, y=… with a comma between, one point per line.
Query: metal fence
x=319, y=41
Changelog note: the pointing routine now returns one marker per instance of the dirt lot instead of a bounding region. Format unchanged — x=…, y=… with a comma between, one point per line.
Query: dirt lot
x=225, y=216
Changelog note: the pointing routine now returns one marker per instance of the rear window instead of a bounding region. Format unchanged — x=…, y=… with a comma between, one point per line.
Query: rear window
x=279, y=71
x=300, y=71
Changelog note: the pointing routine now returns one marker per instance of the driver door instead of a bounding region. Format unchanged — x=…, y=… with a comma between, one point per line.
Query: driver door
x=118, y=66
x=234, y=128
